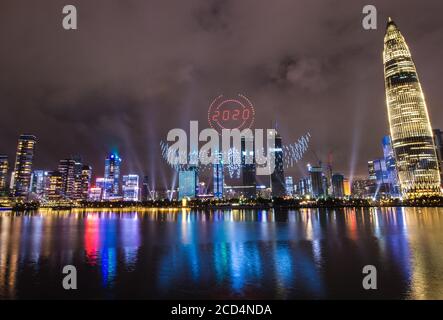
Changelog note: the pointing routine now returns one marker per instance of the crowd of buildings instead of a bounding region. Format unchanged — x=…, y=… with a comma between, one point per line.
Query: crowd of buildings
x=411, y=165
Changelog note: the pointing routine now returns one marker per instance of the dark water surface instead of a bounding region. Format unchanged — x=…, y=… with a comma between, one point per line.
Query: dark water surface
x=232, y=254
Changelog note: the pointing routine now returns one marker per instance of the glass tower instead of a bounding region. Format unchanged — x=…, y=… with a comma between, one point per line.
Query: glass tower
x=112, y=173
x=410, y=127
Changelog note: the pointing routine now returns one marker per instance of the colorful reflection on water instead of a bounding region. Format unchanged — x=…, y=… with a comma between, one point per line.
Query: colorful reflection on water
x=231, y=254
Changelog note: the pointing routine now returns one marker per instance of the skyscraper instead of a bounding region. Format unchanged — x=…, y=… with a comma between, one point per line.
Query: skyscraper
x=187, y=181
x=248, y=167
x=278, y=176
x=218, y=176
x=412, y=137
x=23, y=166
x=289, y=186
x=112, y=173
x=316, y=179
x=145, y=195
x=85, y=182
x=391, y=168
x=4, y=167
x=55, y=191
x=66, y=168
x=130, y=187
x=40, y=182
x=338, y=185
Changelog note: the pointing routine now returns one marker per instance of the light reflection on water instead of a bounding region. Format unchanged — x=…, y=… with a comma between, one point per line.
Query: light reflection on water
x=251, y=254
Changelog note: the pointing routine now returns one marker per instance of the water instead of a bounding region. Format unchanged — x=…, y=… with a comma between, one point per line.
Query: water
x=238, y=254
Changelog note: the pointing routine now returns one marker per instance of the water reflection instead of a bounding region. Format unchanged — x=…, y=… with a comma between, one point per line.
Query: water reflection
x=223, y=254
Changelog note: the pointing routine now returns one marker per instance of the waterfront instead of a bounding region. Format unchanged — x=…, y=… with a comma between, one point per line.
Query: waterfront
x=230, y=254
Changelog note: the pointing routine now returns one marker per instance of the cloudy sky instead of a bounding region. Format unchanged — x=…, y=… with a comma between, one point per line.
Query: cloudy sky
x=136, y=69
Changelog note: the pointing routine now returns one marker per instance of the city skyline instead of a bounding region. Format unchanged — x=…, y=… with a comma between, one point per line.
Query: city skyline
x=307, y=81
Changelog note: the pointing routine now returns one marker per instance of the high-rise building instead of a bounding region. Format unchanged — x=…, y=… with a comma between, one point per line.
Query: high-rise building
x=187, y=181
x=218, y=177
x=40, y=181
x=248, y=167
x=105, y=186
x=4, y=168
x=438, y=141
x=316, y=177
x=145, y=194
x=391, y=168
x=378, y=176
x=338, y=189
x=304, y=187
x=377, y=171
x=95, y=194
x=130, y=187
x=23, y=166
x=67, y=170
x=278, y=176
x=289, y=186
x=411, y=133
x=112, y=173
x=85, y=182
x=55, y=191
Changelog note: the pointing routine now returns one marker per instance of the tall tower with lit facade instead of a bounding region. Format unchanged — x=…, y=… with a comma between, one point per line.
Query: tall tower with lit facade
x=4, y=167
x=112, y=173
x=23, y=166
x=412, y=137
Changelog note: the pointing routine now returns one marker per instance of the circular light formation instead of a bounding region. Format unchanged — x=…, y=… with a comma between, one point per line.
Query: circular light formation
x=231, y=113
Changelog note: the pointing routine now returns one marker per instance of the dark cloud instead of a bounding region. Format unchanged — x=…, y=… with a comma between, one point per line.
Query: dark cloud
x=136, y=69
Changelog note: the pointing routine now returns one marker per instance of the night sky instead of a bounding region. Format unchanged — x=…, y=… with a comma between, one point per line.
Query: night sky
x=136, y=69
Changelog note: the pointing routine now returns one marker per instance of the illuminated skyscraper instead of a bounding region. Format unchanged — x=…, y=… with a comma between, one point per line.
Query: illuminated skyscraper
x=278, y=176
x=55, y=191
x=130, y=187
x=112, y=172
x=248, y=167
x=66, y=168
x=187, y=180
x=218, y=176
x=316, y=181
x=4, y=167
x=411, y=131
x=145, y=194
x=40, y=182
x=391, y=168
x=338, y=185
x=23, y=166
x=289, y=186
x=85, y=182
